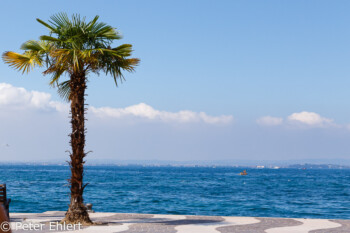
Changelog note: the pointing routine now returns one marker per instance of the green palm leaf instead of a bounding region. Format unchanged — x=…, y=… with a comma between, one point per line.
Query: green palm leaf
x=74, y=46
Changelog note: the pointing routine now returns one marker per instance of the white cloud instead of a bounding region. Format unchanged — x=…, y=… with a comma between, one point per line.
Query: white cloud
x=19, y=98
x=145, y=111
x=269, y=121
x=310, y=119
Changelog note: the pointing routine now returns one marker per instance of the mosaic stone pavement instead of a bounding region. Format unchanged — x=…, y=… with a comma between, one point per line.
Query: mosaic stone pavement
x=148, y=223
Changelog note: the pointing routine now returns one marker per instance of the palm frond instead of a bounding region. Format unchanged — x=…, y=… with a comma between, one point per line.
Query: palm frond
x=57, y=73
x=67, y=57
x=92, y=23
x=115, y=68
x=123, y=50
x=102, y=30
x=52, y=29
x=64, y=90
x=49, y=38
x=40, y=47
x=22, y=62
x=60, y=20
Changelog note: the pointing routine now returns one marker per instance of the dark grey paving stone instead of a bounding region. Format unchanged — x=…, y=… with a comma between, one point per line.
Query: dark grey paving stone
x=208, y=218
x=126, y=217
x=164, y=225
x=150, y=228
x=123, y=218
x=344, y=228
x=266, y=223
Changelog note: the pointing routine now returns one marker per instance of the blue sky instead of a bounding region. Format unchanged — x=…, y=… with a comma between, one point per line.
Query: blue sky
x=243, y=59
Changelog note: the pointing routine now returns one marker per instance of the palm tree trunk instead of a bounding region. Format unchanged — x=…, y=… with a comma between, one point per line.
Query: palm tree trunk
x=77, y=212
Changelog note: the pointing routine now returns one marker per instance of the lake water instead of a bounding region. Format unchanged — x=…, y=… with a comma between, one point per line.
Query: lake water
x=191, y=191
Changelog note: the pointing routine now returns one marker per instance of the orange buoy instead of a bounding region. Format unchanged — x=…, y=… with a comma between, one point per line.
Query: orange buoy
x=244, y=173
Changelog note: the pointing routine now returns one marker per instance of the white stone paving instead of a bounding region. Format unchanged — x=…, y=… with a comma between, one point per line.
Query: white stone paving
x=308, y=225
x=138, y=223
x=101, y=215
x=102, y=229
x=211, y=227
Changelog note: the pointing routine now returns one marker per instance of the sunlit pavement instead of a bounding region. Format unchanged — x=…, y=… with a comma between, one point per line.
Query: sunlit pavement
x=142, y=223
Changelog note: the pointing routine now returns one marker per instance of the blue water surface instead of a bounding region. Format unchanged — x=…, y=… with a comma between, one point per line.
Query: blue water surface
x=180, y=190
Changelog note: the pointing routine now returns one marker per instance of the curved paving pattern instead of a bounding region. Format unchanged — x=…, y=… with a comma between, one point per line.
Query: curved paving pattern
x=307, y=226
x=344, y=228
x=157, y=224
x=211, y=227
x=264, y=224
x=148, y=223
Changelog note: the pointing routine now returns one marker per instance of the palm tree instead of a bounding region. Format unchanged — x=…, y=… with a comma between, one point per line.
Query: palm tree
x=73, y=49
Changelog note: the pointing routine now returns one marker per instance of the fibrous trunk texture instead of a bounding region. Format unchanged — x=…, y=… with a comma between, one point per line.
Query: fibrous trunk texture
x=77, y=212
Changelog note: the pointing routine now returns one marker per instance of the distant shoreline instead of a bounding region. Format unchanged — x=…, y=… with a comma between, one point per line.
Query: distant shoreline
x=291, y=166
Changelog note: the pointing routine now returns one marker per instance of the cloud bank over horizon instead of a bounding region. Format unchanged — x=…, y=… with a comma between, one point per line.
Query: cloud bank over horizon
x=300, y=119
x=19, y=98
x=37, y=128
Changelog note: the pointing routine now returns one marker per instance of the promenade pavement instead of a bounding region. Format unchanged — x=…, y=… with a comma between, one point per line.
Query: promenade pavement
x=155, y=223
